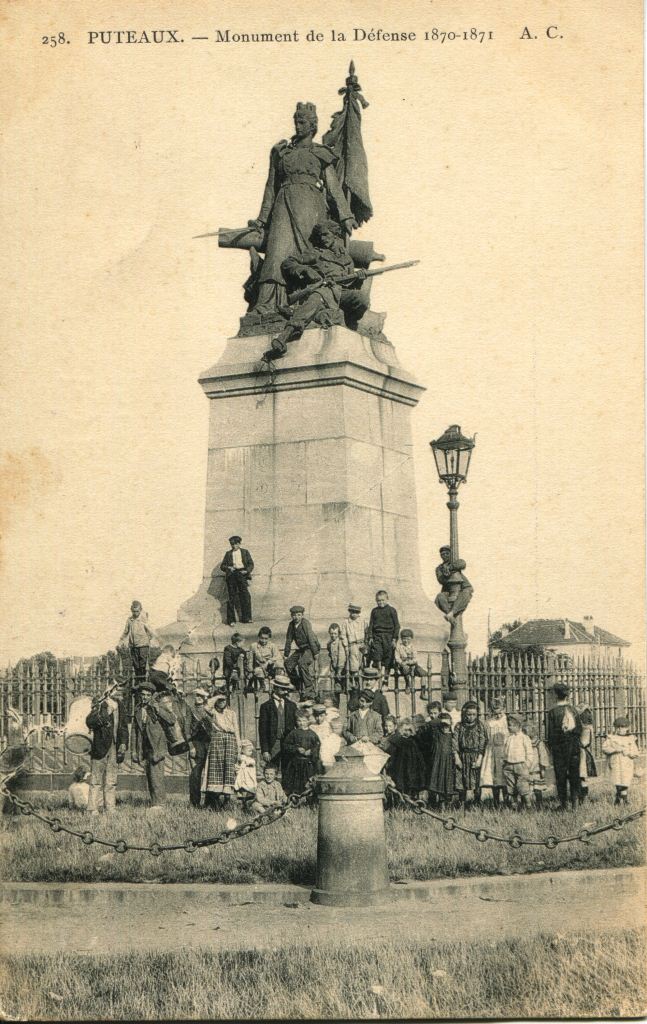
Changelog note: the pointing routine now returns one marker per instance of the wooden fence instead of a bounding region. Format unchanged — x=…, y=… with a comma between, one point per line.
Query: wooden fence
x=41, y=693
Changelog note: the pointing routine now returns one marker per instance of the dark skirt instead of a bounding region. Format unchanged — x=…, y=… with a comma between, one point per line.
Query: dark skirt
x=443, y=769
x=297, y=772
x=407, y=767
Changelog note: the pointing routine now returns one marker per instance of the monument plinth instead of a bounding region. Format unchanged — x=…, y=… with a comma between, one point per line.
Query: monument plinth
x=310, y=461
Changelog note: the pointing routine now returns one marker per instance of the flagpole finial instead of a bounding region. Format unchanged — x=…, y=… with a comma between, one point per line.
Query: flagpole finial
x=352, y=87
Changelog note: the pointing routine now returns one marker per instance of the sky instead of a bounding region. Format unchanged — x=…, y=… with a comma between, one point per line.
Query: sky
x=511, y=169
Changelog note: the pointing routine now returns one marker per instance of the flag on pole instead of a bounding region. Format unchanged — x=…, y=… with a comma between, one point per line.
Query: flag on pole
x=345, y=139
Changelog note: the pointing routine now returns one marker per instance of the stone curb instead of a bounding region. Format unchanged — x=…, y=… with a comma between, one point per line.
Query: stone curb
x=495, y=887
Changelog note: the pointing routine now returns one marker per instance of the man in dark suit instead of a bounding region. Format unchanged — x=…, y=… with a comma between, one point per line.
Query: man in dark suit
x=109, y=725
x=277, y=718
x=563, y=731
x=238, y=566
x=300, y=664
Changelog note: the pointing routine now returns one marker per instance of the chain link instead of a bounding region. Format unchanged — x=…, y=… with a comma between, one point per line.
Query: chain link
x=266, y=817
x=516, y=841
x=278, y=811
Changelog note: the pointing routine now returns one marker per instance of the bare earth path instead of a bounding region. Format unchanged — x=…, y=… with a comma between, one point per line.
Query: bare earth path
x=117, y=917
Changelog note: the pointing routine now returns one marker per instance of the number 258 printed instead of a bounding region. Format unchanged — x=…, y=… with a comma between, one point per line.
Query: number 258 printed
x=56, y=40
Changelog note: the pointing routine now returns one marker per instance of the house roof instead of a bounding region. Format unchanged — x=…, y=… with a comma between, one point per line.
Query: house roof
x=545, y=632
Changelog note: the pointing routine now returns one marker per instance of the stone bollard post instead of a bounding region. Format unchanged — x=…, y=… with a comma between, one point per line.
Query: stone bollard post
x=351, y=845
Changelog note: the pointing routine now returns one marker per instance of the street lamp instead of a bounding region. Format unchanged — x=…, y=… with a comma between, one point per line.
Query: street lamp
x=452, y=453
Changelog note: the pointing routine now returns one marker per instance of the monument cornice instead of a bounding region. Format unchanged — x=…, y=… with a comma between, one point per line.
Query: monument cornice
x=323, y=358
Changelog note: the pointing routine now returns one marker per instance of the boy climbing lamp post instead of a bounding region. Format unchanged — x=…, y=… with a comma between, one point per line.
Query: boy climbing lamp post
x=452, y=453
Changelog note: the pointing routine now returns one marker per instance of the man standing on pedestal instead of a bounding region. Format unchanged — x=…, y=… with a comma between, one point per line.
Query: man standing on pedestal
x=300, y=664
x=238, y=566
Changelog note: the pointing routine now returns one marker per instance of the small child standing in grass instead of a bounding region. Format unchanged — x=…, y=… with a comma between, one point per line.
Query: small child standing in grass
x=518, y=755
x=622, y=751
x=245, y=782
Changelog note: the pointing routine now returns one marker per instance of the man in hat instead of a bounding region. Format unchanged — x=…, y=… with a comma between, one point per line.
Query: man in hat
x=199, y=743
x=150, y=746
x=563, y=731
x=277, y=717
x=457, y=591
x=300, y=663
x=109, y=725
x=370, y=680
x=238, y=566
x=353, y=637
x=364, y=724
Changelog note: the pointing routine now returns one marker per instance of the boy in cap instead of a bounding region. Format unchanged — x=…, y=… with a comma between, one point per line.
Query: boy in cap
x=383, y=632
x=364, y=724
x=238, y=566
x=276, y=718
x=300, y=663
x=109, y=725
x=234, y=663
x=353, y=636
x=563, y=731
x=138, y=637
x=406, y=662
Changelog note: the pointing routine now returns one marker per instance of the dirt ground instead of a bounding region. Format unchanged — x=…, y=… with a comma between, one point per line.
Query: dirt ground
x=115, y=917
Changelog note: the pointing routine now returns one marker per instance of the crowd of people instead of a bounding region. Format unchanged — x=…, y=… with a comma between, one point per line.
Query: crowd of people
x=449, y=756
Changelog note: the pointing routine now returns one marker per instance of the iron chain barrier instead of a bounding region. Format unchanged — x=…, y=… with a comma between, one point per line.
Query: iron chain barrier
x=267, y=817
x=515, y=840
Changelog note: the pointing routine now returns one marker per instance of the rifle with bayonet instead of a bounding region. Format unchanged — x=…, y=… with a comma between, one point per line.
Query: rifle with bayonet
x=303, y=293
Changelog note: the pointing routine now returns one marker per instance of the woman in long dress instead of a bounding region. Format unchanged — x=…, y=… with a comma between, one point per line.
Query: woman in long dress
x=492, y=778
x=301, y=187
x=220, y=767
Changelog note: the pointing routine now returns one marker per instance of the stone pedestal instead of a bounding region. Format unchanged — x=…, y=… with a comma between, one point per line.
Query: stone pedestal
x=351, y=842
x=311, y=463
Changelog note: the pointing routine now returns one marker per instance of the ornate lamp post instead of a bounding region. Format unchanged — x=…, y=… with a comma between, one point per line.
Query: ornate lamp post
x=452, y=453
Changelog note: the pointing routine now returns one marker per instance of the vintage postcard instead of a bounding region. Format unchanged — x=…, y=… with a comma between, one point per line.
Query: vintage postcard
x=322, y=684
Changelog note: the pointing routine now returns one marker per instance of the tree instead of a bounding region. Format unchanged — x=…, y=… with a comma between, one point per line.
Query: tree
x=506, y=627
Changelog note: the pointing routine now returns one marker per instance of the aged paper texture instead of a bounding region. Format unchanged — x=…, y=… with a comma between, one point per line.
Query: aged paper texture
x=504, y=148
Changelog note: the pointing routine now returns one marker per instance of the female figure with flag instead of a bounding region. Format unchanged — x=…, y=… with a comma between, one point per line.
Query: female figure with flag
x=302, y=190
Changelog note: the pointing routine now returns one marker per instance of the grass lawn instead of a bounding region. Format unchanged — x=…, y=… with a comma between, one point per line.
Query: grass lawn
x=597, y=975
x=285, y=851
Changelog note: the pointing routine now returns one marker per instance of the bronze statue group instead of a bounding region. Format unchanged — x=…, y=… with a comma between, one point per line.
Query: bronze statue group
x=319, y=701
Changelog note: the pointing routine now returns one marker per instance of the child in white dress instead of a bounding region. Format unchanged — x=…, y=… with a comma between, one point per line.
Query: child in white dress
x=622, y=751
x=245, y=782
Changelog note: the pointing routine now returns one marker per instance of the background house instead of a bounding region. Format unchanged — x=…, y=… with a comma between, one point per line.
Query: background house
x=560, y=636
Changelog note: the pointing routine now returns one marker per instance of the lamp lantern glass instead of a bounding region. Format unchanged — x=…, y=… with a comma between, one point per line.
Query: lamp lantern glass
x=452, y=453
